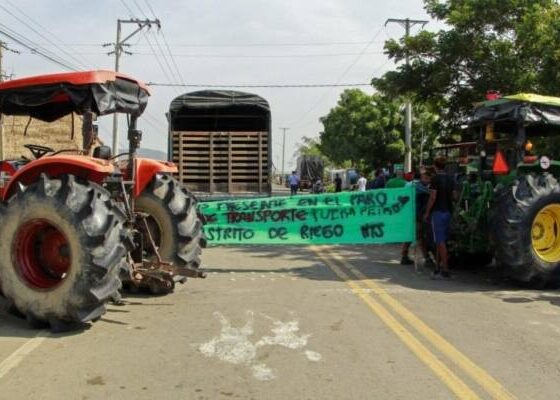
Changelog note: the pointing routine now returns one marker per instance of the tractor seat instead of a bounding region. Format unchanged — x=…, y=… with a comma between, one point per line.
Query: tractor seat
x=103, y=152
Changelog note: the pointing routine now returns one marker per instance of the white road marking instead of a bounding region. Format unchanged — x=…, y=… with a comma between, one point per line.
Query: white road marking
x=234, y=346
x=24, y=350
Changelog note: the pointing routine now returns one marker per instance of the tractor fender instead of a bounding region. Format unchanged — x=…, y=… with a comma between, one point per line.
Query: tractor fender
x=146, y=169
x=85, y=167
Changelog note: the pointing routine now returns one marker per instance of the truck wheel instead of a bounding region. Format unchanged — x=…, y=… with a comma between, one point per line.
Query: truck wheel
x=526, y=229
x=62, y=249
x=173, y=223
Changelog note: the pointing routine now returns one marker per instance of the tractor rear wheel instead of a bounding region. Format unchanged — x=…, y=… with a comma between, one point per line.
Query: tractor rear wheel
x=62, y=248
x=526, y=229
x=173, y=223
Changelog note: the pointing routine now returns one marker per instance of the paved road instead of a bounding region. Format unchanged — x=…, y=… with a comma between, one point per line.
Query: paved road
x=300, y=323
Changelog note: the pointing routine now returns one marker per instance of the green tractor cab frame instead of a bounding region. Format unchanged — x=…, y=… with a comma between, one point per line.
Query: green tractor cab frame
x=510, y=210
x=518, y=118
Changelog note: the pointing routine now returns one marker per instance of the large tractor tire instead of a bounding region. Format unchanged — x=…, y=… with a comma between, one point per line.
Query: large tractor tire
x=61, y=251
x=526, y=229
x=173, y=223
x=471, y=260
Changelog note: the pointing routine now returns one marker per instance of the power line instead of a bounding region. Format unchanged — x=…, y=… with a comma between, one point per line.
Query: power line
x=170, y=54
x=162, y=68
x=165, y=71
x=119, y=46
x=407, y=23
x=42, y=31
x=272, y=44
x=236, y=45
x=150, y=7
x=350, y=66
x=23, y=41
x=253, y=56
x=155, y=126
x=131, y=14
x=272, y=86
x=173, y=73
x=167, y=45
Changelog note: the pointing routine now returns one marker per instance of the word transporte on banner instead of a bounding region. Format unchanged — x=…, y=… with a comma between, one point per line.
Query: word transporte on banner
x=376, y=216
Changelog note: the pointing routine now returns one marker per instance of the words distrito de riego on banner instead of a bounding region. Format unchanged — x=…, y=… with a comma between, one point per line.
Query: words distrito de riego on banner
x=375, y=216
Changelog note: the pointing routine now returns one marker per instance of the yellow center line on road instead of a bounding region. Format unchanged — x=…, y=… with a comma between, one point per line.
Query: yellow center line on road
x=479, y=375
x=450, y=379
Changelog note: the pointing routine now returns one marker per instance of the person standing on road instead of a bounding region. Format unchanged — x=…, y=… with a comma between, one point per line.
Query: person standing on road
x=338, y=183
x=438, y=211
x=422, y=196
x=379, y=181
x=294, y=183
x=362, y=182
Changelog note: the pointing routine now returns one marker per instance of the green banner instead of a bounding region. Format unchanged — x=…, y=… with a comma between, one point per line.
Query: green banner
x=375, y=216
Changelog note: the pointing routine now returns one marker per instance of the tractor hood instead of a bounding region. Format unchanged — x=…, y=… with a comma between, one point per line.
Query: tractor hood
x=540, y=115
x=50, y=97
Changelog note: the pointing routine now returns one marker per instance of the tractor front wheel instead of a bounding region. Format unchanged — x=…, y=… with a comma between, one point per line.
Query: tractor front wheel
x=62, y=248
x=173, y=223
x=526, y=229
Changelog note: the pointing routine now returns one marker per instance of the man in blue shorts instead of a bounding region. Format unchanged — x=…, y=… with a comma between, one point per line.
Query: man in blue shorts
x=438, y=212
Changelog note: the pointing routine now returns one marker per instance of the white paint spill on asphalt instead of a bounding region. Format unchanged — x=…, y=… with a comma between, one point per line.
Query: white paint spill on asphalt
x=262, y=372
x=313, y=356
x=285, y=335
x=234, y=346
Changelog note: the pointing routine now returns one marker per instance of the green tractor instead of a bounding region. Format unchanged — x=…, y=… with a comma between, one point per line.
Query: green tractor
x=509, y=199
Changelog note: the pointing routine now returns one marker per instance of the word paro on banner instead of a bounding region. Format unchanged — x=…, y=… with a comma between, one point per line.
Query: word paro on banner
x=375, y=216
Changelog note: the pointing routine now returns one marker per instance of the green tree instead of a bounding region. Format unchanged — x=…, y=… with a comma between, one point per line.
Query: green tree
x=309, y=147
x=312, y=147
x=365, y=130
x=505, y=45
x=425, y=132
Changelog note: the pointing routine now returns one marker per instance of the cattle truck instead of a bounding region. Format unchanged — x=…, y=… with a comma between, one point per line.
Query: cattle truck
x=220, y=141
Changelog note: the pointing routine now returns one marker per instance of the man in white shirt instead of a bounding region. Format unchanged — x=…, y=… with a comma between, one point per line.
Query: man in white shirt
x=362, y=184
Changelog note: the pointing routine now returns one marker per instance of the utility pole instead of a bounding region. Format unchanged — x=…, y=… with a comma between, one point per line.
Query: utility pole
x=3, y=46
x=283, y=148
x=118, y=49
x=407, y=23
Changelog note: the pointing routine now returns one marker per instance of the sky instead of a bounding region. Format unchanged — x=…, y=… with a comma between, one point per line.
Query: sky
x=217, y=42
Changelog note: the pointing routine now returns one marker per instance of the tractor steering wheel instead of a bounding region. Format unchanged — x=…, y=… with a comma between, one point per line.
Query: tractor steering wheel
x=37, y=150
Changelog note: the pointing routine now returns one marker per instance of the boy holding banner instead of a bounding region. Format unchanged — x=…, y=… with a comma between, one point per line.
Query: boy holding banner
x=422, y=186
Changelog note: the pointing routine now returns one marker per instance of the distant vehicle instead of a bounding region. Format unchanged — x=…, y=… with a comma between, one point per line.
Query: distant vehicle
x=349, y=177
x=309, y=169
x=220, y=141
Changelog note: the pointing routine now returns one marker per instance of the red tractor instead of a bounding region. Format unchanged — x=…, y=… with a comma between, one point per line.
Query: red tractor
x=73, y=224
